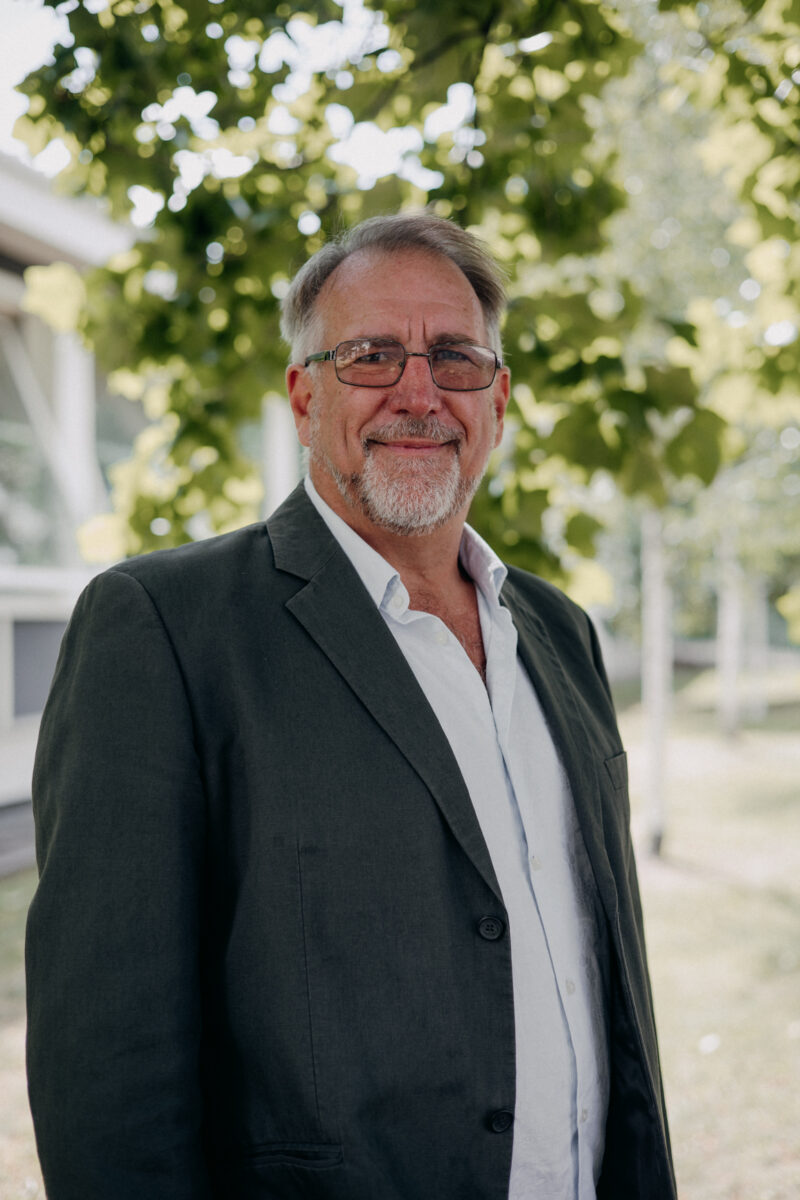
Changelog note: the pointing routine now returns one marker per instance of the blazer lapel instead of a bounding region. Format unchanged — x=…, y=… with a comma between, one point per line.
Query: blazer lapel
x=559, y=702
x=336, y=610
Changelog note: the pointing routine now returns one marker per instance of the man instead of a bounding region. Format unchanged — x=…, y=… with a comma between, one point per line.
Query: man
x=337, y=895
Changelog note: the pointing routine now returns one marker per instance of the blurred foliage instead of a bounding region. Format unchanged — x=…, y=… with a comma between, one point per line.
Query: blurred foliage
x=752, y=508
x=696, y=246
x=234, y=123
x=751, y=90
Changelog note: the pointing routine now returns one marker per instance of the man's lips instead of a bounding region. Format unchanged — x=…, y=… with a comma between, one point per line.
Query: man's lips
x=413, y=437
x=413, y=445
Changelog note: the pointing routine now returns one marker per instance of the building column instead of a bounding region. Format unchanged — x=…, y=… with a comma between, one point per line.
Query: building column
x=74, y=411
x=280, y=452
x=6, y=673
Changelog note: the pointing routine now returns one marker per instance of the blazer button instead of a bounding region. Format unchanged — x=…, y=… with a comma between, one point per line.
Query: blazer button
x=500, y=1121
x=491, y=928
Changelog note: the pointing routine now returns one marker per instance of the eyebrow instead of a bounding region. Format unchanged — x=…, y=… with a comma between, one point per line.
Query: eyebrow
x=442, y=339
x=449, y=339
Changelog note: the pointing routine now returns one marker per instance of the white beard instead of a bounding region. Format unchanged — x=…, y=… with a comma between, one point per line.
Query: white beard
x=411, y=497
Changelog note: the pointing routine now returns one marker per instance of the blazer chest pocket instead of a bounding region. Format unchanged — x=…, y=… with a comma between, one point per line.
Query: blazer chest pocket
x=617, y=800
x=617, y=767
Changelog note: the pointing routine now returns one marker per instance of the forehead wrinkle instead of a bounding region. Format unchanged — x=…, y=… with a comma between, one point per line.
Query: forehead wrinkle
x=451, y=339
x=440, y=339
x=450, y=300
x=447, y=333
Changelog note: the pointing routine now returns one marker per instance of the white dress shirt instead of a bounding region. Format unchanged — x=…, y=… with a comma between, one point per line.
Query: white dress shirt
x=523, y=803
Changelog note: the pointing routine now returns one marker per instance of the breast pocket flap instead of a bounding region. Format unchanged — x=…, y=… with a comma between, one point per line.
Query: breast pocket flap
x=617, y=767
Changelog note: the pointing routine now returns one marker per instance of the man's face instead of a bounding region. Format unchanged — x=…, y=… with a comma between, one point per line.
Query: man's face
x=407, y=457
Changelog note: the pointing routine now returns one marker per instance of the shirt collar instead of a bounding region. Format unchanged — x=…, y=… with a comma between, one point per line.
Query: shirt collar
x=379, y=576
x=375, y=572
x=482, y=564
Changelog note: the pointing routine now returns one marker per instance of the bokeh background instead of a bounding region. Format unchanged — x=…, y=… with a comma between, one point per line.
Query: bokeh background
x=166, y=165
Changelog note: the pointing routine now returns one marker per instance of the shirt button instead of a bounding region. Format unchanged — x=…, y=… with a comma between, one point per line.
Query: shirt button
x=536, y=863
x=584, y=1115
x=491, y=928
x=500, y=1121
x=570, y=986
x=442, y=637
x=397, y=600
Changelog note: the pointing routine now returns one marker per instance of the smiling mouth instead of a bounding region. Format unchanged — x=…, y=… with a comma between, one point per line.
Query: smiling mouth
x=413, y=437
x=413, y=446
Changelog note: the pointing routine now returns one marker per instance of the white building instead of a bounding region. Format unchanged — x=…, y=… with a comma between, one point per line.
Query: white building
x=60, y=429
x=52, y=429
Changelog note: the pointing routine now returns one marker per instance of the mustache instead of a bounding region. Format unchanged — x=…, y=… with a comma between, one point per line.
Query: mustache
x=429, y=428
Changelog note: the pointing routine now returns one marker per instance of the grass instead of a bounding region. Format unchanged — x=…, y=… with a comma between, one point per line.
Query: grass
x=722, y=908
x=15, y=896
x=19, y=1171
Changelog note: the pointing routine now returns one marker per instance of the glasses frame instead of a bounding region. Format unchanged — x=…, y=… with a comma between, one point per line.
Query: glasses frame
x=330, y=356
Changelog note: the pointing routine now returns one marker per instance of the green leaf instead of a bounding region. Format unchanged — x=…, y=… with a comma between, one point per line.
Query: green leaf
x=580, y=531
x=697, y=449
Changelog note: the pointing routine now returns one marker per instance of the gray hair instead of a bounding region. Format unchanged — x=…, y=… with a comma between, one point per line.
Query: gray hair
x=419, y=230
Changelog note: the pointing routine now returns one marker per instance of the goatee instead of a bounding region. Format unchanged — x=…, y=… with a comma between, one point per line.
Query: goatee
x=413, y=495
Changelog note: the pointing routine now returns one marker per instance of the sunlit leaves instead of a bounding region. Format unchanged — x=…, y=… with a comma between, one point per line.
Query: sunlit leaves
x=789, y=607
x=695, y=449
x=238, y=129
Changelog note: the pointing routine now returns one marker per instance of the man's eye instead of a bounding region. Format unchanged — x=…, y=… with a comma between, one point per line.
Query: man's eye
x=451, y=354
x=367, y=354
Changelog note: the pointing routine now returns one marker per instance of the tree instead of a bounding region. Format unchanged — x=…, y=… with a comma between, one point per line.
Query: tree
x=247, y=178
x=238, y=129
x=709, y=237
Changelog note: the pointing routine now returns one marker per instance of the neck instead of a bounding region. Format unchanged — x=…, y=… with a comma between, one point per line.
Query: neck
x=425, y=561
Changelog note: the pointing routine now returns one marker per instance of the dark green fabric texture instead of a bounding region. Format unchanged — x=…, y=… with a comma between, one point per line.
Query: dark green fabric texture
x=255, y=968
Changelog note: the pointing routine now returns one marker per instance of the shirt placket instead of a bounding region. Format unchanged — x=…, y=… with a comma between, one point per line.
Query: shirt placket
x=500, y=639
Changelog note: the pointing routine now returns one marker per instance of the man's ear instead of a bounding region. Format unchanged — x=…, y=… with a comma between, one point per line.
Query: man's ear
x=500, y=398
x=300, y=391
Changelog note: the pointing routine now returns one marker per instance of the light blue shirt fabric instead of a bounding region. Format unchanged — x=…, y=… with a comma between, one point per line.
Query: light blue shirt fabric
x=523, y=802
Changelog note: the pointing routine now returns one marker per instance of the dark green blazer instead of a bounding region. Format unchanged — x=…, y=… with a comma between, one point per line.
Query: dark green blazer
x=256, y=963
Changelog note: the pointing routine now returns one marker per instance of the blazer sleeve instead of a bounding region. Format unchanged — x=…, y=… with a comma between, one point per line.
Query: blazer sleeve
x=112, y=951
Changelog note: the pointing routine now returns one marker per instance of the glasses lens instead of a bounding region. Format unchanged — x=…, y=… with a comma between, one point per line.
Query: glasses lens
x=462, y=368
x=369, y=362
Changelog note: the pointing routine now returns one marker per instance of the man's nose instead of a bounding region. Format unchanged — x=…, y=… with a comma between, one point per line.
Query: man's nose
x=415, y=392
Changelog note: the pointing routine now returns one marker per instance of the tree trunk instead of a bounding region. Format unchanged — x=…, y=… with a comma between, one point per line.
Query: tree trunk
x=730, y=623
x=756, y=649
x=656, y=673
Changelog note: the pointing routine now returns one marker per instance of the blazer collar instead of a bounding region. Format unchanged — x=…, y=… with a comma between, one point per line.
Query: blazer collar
x=576, y=748
x=300, y=540
x=336, y=610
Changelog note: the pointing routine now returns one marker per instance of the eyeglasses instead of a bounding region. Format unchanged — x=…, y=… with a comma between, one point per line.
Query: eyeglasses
x=379, y=362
